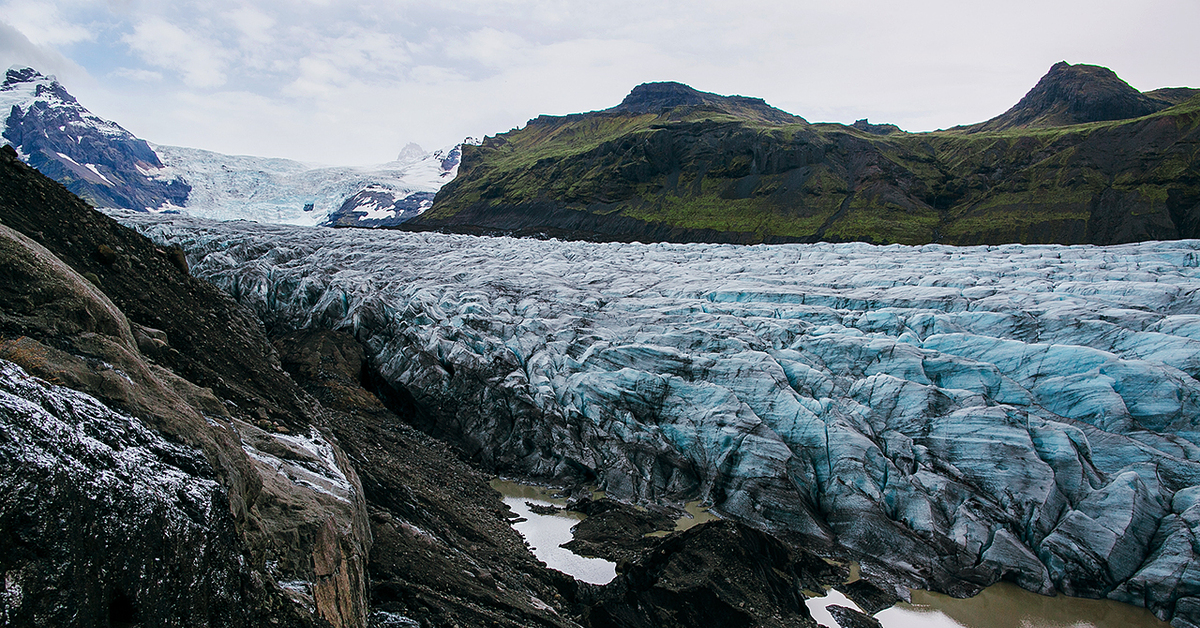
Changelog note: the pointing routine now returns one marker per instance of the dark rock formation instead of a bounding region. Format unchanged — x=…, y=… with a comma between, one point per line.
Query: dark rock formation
x=850, y=618
x=867, y=596
x=716, y=574
x=616, y=531
x=148, y=496
x=654, y=98
x=876, y=129
x=92, y=157
x=1075, y=94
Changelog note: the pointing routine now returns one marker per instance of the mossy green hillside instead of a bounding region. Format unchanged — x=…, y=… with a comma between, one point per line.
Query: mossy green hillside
x=718, y=173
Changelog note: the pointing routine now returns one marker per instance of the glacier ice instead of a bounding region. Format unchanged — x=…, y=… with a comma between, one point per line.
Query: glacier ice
x=961, y=414
x=274, y=190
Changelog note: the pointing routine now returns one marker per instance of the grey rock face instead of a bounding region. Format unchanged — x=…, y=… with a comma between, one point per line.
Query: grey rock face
x=960, y=415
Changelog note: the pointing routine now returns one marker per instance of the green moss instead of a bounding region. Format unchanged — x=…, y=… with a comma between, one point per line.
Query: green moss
x=735, y=172
x=753, y=215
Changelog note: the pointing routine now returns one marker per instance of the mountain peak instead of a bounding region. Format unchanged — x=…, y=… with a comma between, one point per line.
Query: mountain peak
x=411, y=152
x=23, y=74
x=654, y=97
x=657, y=97
x=1075, y=94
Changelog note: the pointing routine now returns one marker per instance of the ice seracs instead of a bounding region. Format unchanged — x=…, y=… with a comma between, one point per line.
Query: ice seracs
x=957, y=415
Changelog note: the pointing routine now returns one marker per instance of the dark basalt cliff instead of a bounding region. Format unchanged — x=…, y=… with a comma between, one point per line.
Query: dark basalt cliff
x=1083, y=158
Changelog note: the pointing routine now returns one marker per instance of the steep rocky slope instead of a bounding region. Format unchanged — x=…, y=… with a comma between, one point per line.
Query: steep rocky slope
x=1084, y=158
x=951, y=416
x=157, y=482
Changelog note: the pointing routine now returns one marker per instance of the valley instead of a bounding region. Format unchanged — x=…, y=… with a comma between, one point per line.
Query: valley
x=878, y=363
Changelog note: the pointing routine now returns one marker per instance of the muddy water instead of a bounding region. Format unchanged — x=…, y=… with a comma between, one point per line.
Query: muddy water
x=545, y=533
x=999, y=606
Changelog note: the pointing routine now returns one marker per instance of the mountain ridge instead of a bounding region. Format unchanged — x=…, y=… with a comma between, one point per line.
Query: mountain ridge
x=1075, y=94
x=693, y=173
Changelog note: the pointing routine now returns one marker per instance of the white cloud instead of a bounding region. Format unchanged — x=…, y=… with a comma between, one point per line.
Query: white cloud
x=16, y=49
x=254, y=25
x=43, y=24
x=133, y=74
x=200, y=61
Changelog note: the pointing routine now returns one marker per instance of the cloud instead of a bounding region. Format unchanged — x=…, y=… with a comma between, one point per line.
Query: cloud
x=370, y=76
x=200, y=61
x=17, y=49
x=43, y=24
x=144, y=76
x=254, y=25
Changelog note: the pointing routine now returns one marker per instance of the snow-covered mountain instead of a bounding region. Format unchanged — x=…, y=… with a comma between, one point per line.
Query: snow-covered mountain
x=957, y=415
x=93, y=157
x=105, y=164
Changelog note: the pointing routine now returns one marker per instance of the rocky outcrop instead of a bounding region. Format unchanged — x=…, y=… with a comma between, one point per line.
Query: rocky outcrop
x=380, y=207
x=655, y=98
x=707, y=170
x=720, y=573
x=951, y=417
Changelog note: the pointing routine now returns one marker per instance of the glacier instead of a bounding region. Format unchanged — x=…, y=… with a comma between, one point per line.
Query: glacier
x=275, y=190
x=956, y=416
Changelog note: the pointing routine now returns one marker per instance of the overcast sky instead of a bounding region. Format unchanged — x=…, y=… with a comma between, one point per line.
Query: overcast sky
x=353, y=82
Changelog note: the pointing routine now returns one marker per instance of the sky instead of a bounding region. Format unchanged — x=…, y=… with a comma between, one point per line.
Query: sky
x=354, y=82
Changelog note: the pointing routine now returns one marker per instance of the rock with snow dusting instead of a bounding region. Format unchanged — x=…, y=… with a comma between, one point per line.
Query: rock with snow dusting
x=959, y=414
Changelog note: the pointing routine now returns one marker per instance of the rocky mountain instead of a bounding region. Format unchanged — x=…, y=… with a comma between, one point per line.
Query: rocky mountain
x=946, y=416
x=654, y=98
x=93, y=157
x=105, y=164
x=1083, y=158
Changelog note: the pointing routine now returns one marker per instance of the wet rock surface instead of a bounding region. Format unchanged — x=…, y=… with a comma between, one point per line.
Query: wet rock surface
x=720, y=573
x=950, y=416
x=615, y=531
